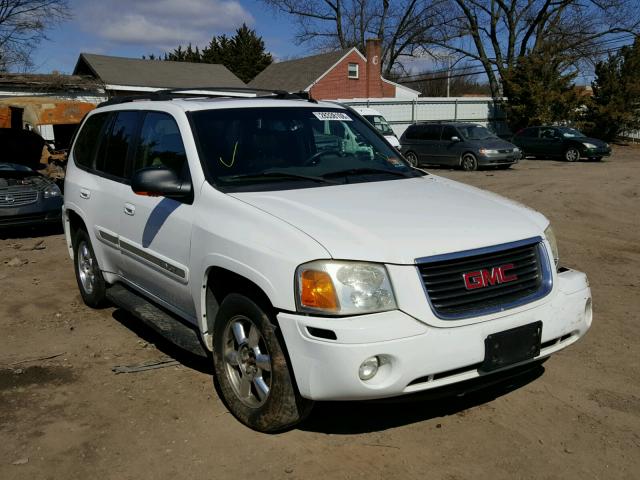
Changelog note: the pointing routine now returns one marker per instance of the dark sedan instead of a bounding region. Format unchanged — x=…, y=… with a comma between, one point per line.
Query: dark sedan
x=27, y=197
x=560, y=142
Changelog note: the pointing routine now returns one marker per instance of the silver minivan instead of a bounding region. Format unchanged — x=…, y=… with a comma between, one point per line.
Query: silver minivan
x=466, y=145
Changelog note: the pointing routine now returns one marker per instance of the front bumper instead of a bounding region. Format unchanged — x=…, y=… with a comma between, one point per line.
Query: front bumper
x=43, y=212
x=420, y=356
x=499, y=158
x=596, y=152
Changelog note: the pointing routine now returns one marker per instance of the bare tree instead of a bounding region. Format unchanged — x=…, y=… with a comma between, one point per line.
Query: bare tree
x=498, y=33
x=23, y=25
x=402, y=25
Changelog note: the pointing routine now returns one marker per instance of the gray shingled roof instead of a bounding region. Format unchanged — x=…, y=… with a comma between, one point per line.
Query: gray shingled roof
x=296, y=75
x=154, y=73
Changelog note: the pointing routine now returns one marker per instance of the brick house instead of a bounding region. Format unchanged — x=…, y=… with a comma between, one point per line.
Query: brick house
x=329, y=76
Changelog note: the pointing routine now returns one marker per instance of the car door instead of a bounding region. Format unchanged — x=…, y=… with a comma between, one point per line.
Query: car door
x=450, y=151
x=101, y=150
x=155, y=232
x=527, y=140
x=430, y=148
x=550, y=142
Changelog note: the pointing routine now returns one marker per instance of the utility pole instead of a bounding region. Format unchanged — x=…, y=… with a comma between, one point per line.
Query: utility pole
x=448, y=76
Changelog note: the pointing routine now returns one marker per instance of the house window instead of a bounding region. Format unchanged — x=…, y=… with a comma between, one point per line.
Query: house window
x=353, y=70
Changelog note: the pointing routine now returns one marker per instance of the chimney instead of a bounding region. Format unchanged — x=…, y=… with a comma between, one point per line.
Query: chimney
x=374, y=68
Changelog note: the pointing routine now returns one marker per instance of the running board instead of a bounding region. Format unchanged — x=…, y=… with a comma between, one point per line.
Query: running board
x=166, y=324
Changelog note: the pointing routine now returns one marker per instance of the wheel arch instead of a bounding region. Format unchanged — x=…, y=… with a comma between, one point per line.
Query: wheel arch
x=73, y=221
x=218, y=282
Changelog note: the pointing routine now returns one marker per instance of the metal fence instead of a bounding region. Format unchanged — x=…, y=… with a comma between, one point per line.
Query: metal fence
x=402, y=113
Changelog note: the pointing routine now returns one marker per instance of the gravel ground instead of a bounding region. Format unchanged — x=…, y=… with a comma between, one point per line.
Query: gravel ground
x=70, y=417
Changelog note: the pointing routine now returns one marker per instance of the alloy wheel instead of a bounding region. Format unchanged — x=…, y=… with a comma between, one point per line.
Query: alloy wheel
x=247, y=361
x=86, y=268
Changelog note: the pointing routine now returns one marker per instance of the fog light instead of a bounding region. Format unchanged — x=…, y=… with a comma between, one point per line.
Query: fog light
x=369, y=368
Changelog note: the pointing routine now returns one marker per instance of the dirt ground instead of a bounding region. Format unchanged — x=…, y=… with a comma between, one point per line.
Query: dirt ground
x=71, y=417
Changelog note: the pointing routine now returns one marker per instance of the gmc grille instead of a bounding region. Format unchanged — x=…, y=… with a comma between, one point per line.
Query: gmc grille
x=450, y=298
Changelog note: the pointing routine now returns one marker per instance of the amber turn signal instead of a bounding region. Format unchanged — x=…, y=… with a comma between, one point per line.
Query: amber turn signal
x=317, y=291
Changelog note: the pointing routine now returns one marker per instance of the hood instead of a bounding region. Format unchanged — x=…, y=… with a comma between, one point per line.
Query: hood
x=397, y=221
x=595, y=141
x=492, y=143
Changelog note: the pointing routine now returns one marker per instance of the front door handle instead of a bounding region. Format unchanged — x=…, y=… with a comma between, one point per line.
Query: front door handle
x=84, y=193
x=129, y=209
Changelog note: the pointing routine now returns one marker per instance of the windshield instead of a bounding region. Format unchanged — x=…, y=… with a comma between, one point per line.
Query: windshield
x=570, y=132
x=380, y=123
x=279, y=147
x=475, y=132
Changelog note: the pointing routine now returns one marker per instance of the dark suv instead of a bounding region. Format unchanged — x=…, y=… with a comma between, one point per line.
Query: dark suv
x=560, y=142
x=464, y=145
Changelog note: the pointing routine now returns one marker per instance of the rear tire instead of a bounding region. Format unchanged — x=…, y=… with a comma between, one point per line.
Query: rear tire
x=469, y=162
x=251, y=368
x=88, y=275
x=412, y=158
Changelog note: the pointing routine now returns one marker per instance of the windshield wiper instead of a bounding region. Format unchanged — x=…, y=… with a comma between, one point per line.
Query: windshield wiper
x=280, y=174
x=362, y=171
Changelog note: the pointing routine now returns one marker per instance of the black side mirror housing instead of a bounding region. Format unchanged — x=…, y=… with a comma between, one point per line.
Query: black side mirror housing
x=160, y=182
x=455, y=138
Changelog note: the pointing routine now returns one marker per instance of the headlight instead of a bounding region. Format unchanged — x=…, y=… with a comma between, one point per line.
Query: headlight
x=551, y=238
x=343, y=288
x=589, y=145
x=516, y=149
x=52, y=191
x=487, y=151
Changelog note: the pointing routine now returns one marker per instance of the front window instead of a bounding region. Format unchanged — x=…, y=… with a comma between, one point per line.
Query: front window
x=353, y=70
x=380, y=123
x=475, y=132
x=282, y=148
x=570, y=132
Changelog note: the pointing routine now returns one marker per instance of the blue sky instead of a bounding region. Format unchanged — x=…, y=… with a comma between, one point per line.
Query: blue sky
x=134, y=28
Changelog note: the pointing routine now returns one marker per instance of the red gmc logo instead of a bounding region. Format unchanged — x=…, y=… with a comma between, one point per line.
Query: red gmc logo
x=484, y=278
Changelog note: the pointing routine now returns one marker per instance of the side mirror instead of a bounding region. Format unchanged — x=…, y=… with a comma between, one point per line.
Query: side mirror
x=455, y=139
x=160, y=182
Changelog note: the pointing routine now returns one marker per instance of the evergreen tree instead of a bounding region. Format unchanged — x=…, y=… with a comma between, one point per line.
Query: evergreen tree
x=538, y=91
x=243, y=53
x=615, y=105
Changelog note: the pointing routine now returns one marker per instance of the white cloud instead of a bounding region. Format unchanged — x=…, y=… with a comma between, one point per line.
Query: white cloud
x=161, y=23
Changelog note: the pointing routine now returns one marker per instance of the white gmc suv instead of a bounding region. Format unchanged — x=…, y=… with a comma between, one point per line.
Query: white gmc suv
x=290, y=240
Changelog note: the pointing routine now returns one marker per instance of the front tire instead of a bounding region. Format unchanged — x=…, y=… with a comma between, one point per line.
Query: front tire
x=572, y=154
x=469, y=162
x=88, y=275
x=252, y=370
x=412, y=158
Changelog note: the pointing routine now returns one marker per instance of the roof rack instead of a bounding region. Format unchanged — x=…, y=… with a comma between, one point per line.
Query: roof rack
x=213, y=92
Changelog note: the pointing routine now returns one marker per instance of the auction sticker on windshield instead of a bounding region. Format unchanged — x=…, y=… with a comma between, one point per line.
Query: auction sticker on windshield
x=332, y=116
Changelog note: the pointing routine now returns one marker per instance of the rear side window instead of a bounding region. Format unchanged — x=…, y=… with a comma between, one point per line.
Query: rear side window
x=413, y=132
x=432, y=132
x=161, y=144
x=448, y=131
x=115, y=148
x=529, y=133
x=88, y=139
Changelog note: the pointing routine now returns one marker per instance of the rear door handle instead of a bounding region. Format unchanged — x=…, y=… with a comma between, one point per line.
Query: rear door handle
x=129, y=209
x=84, y=193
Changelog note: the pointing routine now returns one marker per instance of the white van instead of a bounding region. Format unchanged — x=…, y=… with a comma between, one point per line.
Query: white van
x=376, y=119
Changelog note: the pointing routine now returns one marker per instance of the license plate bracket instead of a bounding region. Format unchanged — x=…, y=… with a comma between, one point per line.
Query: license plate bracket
x=512, y=346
